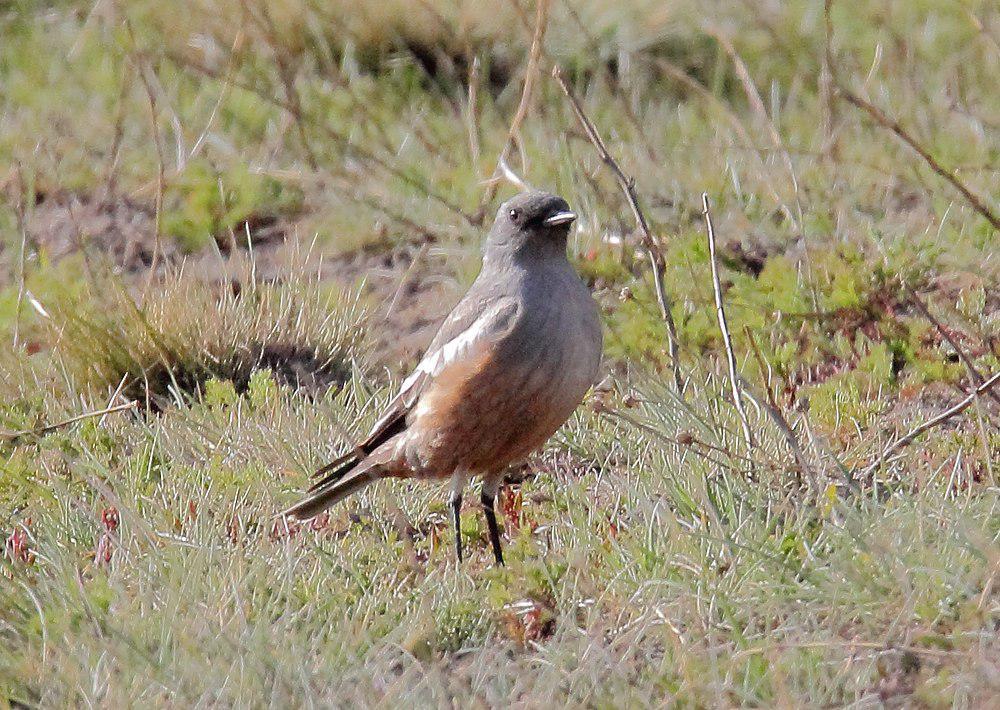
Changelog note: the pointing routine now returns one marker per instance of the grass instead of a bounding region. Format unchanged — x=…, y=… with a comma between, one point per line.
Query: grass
x=285, y=156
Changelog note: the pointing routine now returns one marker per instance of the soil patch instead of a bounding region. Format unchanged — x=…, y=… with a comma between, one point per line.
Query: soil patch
x=120, y=229
x=410, y=299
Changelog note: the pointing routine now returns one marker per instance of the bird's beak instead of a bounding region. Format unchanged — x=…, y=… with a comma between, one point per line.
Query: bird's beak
x=558, y=218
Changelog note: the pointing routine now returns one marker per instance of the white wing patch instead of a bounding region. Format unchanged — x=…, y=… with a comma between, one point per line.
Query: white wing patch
x=492, y=323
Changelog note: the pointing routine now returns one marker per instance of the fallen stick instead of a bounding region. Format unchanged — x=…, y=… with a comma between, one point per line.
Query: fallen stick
x=931, y=423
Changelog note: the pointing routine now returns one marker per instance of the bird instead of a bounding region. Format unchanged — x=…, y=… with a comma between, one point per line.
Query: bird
x=505, y=370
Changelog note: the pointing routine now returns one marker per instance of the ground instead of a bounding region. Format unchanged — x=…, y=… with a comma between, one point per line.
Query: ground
x=227, y=231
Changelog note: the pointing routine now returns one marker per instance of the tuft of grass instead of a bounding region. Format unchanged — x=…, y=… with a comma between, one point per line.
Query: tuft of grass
x=189, y=332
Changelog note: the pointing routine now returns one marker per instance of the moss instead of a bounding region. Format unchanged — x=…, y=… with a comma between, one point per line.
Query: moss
x=848, y=399
x=207, y=204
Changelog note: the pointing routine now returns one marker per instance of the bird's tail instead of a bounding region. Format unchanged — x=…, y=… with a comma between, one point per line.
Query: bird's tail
x=335, y=470
x=347, y=479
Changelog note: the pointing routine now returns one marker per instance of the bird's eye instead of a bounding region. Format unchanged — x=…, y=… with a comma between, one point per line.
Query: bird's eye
x=514, y=215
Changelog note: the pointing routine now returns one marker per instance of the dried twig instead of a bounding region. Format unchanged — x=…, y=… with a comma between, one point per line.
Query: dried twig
x=827, y=87
x=472, y=110
x=406, y=280
x=22, y=228
x=286, y=73
x=612, y=80
x=977, y=376
x=160, y=179
x=137, y=58
x=975, y=201
x=13, y=436
x=114, y=152
x=720, y=311
x=890, y=124
x=655, y=255
x=770, y=406
x=530, y=76
x=423, y=233
x=944, y=416
x=510, y=176
x=757, y=104
x=786, y=430
x=223, y=94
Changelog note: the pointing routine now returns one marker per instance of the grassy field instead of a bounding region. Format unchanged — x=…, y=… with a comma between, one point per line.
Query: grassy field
x=227, y=230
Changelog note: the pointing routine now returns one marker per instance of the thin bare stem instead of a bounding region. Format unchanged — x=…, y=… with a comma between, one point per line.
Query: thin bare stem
x=757, y=104
x=137, y=58
x=472, y=110
x=22, y=228
x=944, y=416
x=286, y=73
x=892, y=125
x=406, y=280
x=720, y=311
x=977, y=376
x=160, y=179
x=975, y=201
x=114, y=151
x=653, y=251
x=530, y=77
x=827, y=86
x=223, y=94
x=611, y=80
x=15, y=435
x=770, y=406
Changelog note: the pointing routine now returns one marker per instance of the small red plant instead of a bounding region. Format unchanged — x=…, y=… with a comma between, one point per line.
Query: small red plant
x=110, y=518
x=511, y=502
x=16, y=547
x=233, y=529
x=105, y=545
x=529, y=621
x=320, y=522
x=284, y=528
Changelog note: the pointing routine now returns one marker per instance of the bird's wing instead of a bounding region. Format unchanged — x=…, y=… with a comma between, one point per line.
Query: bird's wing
x=469, y=327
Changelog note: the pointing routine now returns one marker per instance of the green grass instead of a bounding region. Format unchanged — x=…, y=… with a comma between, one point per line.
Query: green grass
x=647, y=594
x=652, y=558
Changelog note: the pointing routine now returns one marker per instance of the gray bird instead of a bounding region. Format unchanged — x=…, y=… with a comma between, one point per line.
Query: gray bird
x=507, y=368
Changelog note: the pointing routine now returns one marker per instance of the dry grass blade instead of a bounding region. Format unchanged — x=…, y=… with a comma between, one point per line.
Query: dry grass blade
x=720, y=311
x=753, y=96
x=140, y=65
x=530, y=77
x=39, y=431
x=653, y=251
x=19, y=211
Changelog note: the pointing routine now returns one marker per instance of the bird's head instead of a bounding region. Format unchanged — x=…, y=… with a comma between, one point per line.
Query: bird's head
x=531, y=223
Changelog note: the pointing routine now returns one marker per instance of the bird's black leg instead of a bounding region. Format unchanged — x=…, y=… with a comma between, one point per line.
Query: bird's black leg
x=456, y=514
x=488, y=500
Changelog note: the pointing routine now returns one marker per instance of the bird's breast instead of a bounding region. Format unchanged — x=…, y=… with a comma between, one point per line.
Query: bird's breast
x=496, y=408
